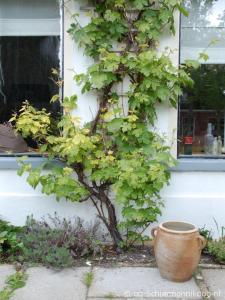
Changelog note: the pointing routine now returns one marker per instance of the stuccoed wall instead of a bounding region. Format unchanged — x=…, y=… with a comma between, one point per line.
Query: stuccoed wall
x=196, y=197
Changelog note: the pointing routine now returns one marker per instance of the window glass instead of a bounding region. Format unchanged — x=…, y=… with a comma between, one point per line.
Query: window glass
x=202, y=108
x=29, y=49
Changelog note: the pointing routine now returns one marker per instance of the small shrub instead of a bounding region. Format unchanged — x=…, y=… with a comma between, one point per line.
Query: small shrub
x=58, y=242
x=217, y=250
x=9, y=243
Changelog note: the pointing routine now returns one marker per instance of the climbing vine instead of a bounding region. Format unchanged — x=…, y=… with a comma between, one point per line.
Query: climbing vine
x=117, y=158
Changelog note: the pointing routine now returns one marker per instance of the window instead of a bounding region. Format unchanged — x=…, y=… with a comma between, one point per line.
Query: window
x=29, y=49
x=202, y=108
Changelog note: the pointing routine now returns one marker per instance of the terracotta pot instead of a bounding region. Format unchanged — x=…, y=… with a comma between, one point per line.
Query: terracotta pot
x=177, y=247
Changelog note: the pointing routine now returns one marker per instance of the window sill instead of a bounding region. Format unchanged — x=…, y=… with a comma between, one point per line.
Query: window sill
x=200, y=165
x=8, y=162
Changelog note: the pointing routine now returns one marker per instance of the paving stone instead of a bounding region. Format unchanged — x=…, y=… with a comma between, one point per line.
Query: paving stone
x=129, y=282
x=5, y=271
x=215, y=280
x=46, y=284
x=155, y=298
x=113, y=298
x=134, y=298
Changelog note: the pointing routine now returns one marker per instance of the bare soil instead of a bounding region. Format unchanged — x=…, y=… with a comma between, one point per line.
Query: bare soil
x=137, y=256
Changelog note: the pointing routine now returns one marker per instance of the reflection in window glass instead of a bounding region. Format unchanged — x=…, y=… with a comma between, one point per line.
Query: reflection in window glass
x=202, y=108
x=29, y=49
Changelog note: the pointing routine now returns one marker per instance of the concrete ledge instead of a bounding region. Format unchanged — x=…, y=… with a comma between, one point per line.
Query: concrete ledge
x=10, y=162
x=184, y=164
x=200, y=165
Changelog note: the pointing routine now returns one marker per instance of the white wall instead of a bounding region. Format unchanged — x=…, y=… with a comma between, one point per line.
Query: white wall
x=197, y=197
x=193, y=196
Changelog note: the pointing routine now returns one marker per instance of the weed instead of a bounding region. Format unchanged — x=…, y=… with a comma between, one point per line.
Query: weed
x=88, y=278
x=17, y=280
x=217, y=250
x=5, y=294
x=13, y=282
x=206, y=233
x=109, y=296
x=221, y=231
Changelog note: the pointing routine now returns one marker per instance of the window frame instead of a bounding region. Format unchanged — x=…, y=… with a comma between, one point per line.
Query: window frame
x=192, y=163
x=9, y=160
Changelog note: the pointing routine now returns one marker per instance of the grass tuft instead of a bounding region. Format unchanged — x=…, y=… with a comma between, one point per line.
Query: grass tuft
x=88, y=278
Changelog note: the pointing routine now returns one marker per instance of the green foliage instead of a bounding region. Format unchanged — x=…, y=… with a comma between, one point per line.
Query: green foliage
x=58, y=181
x=5, y=294
x=57, y=242
x=117, y=150
x=13, y=282
x=9, y=244
x=110, y=296
x=206, y=233
x=88, y=278
x=216, y=248
x=17, y=280
x=32, y=122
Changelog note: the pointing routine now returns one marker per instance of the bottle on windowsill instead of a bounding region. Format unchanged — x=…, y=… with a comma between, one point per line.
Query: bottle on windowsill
x=209, y=139
x=220, y=145
x=215, y=146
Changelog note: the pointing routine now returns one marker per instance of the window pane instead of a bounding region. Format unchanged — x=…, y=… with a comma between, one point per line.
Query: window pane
x=202, y=108
x=29, y=49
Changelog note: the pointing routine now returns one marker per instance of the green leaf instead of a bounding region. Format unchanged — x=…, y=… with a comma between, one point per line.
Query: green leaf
x=115, y=125
x=70, y=103
x=204, y=56
x=54, y=98
x=34, y=177
x=191, y=63
x=23, y=168
x=182, y=10
x=139, y=4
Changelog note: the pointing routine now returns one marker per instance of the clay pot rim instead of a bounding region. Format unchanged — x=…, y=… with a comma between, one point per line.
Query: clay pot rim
x=195, y=229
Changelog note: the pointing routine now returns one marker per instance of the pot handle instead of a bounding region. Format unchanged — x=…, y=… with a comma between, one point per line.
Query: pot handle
x=154, y=231
x=203, y=242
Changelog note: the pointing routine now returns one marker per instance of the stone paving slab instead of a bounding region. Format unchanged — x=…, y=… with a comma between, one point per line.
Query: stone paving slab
x=170, y=298
x=134, y=298
x=134, y=282
x=112, y=298
x=215, y=280
x=46, y=284
x=5, y=271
